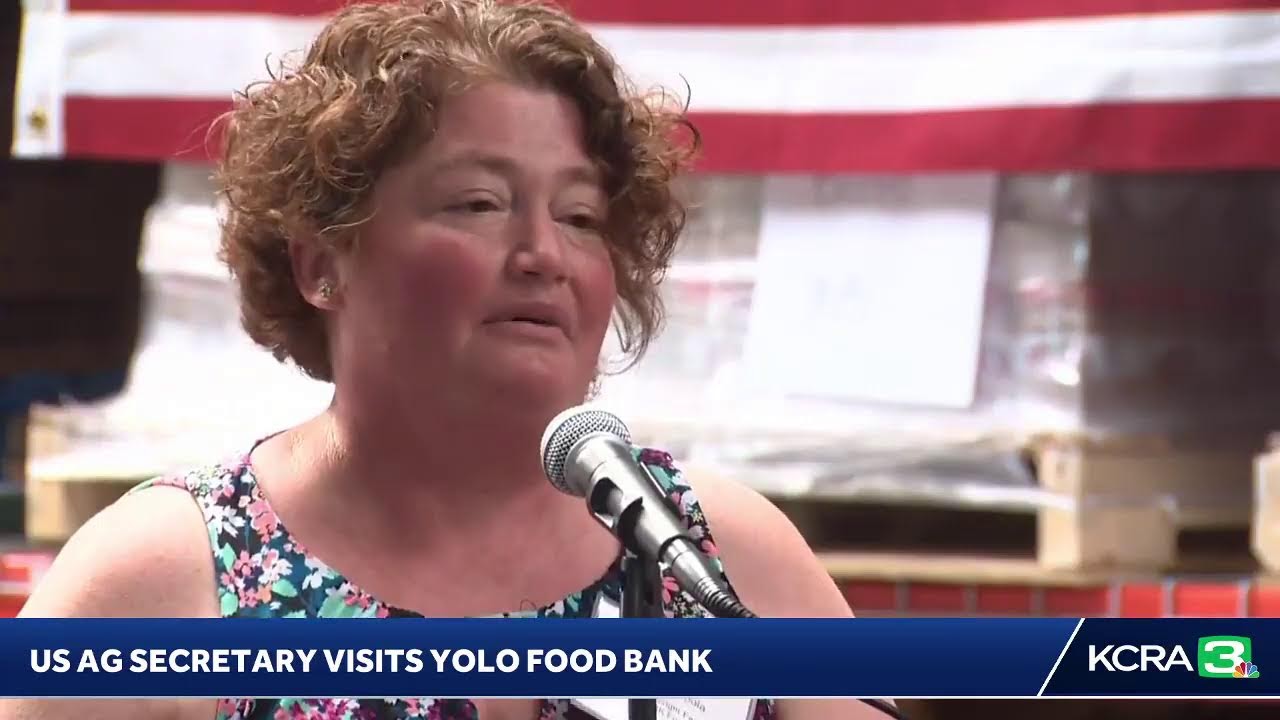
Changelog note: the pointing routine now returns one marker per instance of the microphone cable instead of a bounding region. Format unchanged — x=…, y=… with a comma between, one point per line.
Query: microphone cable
x=722, y=604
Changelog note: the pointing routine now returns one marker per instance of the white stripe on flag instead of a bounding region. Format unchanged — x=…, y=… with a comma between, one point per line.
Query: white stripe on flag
x=38, y=90
x=1191, y=56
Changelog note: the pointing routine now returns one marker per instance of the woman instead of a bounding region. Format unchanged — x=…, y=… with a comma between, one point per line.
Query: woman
x=439, y=211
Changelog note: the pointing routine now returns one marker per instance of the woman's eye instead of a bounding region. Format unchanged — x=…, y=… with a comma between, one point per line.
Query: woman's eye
x=477, y=205
x=583, y=221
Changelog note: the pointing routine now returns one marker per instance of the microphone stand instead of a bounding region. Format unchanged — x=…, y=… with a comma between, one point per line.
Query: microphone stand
x=641, y=598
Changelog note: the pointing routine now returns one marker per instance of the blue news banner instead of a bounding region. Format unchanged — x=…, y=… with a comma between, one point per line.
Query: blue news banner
x=640, y=658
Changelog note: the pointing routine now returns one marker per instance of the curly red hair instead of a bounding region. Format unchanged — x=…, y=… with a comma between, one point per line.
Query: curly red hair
x=301, y=152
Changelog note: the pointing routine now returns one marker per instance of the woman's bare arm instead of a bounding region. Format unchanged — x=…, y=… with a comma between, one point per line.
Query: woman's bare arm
x=147, y=555
x=776, y=574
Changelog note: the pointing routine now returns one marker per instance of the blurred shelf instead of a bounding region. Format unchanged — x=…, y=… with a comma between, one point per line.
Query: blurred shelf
x=1230, y=559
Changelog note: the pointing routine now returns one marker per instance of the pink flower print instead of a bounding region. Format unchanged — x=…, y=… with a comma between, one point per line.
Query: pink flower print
x=231, y=581
x=263, y=520
x=318, y=572
x=342, y=708
x=233, y=709
x=359, y=598
x=248, y=598
x=315, y=710
x=670, y=588
x=297, y=711
x=170, y=481
x=689, y=505
x=273, y=567
x=699, y=534
x=686, y=505
x=661, y=459
x=243, y=565
x=709, y=548
x=228, y=490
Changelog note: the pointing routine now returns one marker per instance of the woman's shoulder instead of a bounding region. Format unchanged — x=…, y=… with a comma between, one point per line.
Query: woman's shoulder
x=221, y=476
x=731, y=504
x=769, y=561
x=144, y=555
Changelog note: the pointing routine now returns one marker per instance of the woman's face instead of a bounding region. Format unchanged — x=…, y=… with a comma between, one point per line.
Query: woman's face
x=484, y=270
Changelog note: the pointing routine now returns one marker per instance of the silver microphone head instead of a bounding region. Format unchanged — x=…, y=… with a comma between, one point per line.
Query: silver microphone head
x=565, y=430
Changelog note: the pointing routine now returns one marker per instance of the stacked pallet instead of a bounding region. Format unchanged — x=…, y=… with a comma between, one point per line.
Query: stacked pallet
x=1265, y=534
x=1126, y=379
x=1121, y=386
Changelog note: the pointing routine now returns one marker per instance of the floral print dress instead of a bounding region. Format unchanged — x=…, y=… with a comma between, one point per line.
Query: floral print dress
x=264, y=572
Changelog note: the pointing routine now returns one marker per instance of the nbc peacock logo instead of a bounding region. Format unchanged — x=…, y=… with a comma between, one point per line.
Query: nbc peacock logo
x=1245, y=670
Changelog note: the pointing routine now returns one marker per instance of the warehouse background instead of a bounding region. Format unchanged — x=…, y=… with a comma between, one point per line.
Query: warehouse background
x=1022, y=258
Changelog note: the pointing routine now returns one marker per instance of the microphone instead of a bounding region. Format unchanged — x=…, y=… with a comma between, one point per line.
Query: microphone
x=587, y=453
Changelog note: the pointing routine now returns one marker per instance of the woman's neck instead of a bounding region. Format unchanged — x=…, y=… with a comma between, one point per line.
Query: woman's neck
x=470, y=475
x=397, y=521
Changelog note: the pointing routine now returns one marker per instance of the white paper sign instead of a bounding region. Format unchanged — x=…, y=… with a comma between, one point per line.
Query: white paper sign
x=674, y=708
x=667, y=708
x=871, y=288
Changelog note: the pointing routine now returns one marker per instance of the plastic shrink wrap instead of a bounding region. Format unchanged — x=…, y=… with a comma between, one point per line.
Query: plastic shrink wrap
x=1113, y=308
x=1100, y=306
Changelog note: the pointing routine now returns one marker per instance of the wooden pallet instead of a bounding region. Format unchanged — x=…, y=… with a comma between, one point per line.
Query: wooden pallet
x=1128, y=504
x=1265, y=530
x=58, y=503
x=905, y=585
x=55, y=509
x=1103, y=506
x=1096, y=506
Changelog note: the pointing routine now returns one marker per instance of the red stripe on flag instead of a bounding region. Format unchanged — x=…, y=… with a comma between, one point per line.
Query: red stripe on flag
x=1076, y=602
x=1004, y=600
x=1149, y=136
x=936, y=598
x=869, y=595
x=1193, y=599
x=740, y=13
x=1142, y=600
x=1264, y=600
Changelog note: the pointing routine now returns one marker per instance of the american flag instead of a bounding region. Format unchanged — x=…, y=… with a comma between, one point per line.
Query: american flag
x=777, y=86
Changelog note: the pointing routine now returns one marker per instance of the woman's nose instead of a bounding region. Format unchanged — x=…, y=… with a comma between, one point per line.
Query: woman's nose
x=540, y=248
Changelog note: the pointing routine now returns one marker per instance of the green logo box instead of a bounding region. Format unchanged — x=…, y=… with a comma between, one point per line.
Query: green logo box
x=1218, y=655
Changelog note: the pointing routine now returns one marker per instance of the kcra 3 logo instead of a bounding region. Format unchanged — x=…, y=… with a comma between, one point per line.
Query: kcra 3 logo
x=1217, y=656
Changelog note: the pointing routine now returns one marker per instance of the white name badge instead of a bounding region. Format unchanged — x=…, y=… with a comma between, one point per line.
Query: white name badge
x=668, y=708
x=606, y=608
x=673, y=708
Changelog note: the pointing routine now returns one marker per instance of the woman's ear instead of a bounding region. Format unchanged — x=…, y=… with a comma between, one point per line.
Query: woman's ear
x=315, y=272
